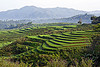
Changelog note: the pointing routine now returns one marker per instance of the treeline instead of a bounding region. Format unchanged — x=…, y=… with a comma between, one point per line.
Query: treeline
x=30, y=25
x=21, y=25
x=95, y=19
x=6, y=23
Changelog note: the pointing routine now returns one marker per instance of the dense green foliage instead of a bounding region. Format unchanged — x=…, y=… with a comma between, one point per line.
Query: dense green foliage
x=6, y=63
x=97, y=27
x=95, y=19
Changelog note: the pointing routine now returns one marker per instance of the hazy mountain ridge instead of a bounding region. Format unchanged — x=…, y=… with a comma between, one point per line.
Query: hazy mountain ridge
x=32, y=12
x=44, y=15
x=97, y=12
x=85, y=18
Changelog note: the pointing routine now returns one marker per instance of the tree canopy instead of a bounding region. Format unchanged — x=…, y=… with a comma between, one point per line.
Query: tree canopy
x=95, y=19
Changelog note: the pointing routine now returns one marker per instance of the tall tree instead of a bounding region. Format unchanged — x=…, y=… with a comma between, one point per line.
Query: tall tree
x=80, y=21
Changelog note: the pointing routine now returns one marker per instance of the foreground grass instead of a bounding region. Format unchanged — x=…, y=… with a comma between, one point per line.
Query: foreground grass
x=73, y=63
x=5, y=63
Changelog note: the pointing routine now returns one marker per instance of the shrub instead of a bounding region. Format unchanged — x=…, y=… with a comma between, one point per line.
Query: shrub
x=5, y=63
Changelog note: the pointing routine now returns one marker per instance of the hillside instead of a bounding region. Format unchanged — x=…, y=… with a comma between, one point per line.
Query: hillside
x=52, y=44
x=84, y=17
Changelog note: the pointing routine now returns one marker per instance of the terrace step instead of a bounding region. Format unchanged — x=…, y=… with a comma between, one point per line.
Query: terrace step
x=46, y=47
x=72, y=39
x=59, y=43
x=48, y=43
x=75, y=45
x=40, y=50
x=66, y=41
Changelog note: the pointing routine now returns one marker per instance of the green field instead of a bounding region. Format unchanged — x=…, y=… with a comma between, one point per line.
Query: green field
x=42, y=43
x=50, y=43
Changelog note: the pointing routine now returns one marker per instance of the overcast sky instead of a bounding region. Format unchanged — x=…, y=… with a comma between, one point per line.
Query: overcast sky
x=86, y=5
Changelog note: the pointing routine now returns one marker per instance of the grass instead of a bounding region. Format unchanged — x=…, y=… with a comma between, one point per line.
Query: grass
x=40, y=50
x=75, y=45
x=5, y=63
x=53, y=45
x=37, y=38
x=66, y=41
x=46, y=47
x=70, y=26
x=4, y=44
x=61, y=43
x=72, y=39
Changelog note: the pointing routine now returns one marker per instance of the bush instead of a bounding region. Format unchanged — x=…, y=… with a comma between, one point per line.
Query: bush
x=5, y=63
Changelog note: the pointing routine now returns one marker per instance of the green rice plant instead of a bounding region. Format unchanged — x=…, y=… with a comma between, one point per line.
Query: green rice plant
x=46, y=47
x=36, y=38
x=77, y=35
x=56, y=35
x=57, y=43
x=77, y=45
x=69, y=36
x=80, y=33
x=66, y=34
x=52, y=45
x=40, y=50
x=22, y=29
x=4, y=44
x=45, y=36
x=28, y=29
x=72, y=39
x=67, y=44
x=70, y=26
x=66, y=41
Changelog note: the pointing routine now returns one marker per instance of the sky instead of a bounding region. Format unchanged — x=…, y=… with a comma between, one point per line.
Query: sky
x=85, y=5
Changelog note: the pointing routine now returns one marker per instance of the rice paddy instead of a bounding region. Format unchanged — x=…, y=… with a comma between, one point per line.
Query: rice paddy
x=51, y=43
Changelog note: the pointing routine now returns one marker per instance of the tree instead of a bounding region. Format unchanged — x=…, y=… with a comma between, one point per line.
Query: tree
x=80, y=22
x=29, y=23
x=95, y=20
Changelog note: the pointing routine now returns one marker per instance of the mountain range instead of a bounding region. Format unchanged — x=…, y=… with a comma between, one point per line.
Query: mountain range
x=96, y=13
x=85, y=18
x=44, y=15
x=32, y=12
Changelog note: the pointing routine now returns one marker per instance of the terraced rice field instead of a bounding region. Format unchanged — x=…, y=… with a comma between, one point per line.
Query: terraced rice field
x=4, y=44
x=54, y=42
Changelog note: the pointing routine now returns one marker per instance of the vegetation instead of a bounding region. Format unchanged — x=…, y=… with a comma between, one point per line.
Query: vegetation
x=95, y=19
x=6, y=63
x=51, y=45
x=80, y=22
x=97, y=27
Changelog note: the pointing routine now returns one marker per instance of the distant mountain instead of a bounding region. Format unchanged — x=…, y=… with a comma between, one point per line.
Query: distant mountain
x=32, y=12
x=85, y=18
x=96, y=13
